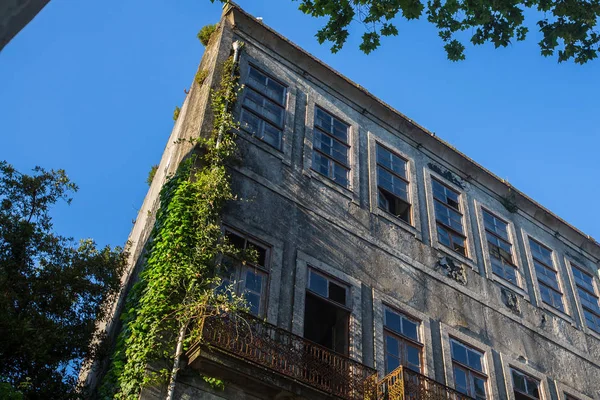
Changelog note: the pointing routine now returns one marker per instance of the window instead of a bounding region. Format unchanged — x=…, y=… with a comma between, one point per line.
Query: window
x=331, y=148
x=588, y=297
x=448, y=217
x=263, y=108
x=392, y=184
x=327, y=313
x=524, y=386
x=500, y=248
x=249, y=279
x=547, y=276
x=402, y=341
x=467, y=365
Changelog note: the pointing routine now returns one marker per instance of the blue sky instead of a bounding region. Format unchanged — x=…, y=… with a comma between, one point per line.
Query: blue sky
x=91, y=87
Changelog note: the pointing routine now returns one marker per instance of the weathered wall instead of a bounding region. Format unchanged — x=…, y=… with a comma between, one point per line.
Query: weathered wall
x=309, y=220
x=14, y=15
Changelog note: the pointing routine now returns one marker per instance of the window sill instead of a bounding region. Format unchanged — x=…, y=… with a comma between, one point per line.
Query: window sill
x=398, y=222
x=250, y=138
x=590, y=331
x=451, y=253
x=518, y=290
x=559, y=314
x=346, y=192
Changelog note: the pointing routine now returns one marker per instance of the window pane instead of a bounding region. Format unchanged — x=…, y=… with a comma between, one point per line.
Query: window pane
x=519, y=382
x=253, y=281
x=340, y=174
x=443, y=236
x=392, y=320
x=409, y=329
x=392, y=183
x=392, y=345
x=340, y=130
x=532, y=387
x=479, y=385
x=253, y=301
x=321, y=163
x=413, y=357
x=331, y=147
x=474, y=360
x=318, y=284
x=323, y=120
x=459, y=353
x=391, y=363
x=460, y=380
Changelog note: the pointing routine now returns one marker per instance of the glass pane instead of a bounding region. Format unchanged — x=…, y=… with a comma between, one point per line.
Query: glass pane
x=459, y=353
x=409, y=329
x=519, y=382
x=276, y=91
x=317, y=284
x=340, y=130
x=253, y=282
x=392, y=345
x=271, y=135
x=392, y=321
x=413, y=356
x=532, y=388
x=323, y=120
x=460, y=380
x=250, y=122
x=253, y=301
x=479, y=385
x=235, y=240
x=391, y=363
x=474, y=360
x=340, y=174
x=321, y=163
x=443, y=236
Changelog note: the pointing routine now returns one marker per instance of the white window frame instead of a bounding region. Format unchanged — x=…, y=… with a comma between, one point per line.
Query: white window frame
x=471, y=258
x=573, y=287
x=508, y=364
x=521, y=288
x=449, y=333
x=558, y=266
x=393, y=145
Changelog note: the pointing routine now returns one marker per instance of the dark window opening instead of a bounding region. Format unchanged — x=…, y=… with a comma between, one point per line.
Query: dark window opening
x=326, y=324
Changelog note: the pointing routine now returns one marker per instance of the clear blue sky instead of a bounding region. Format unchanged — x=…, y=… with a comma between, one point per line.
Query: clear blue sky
x=90, y=86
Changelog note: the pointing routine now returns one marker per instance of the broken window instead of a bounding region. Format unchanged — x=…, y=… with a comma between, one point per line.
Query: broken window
x=500, y=248
x=392, y=184
x=402, y=341
x=467, y=365
x=547, y=275
x=249, y=279
x=449, y=218
x=588, y=297
x=331, y=147
x=327, y=312
x=263, y=107
x=525, y=387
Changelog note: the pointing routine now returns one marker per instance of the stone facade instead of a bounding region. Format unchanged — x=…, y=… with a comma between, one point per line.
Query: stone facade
x=309, y=222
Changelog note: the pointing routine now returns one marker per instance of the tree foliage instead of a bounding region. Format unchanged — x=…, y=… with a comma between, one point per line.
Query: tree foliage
x=206, y=32
x=52, y=290
x=176, y=287
x=568, y=27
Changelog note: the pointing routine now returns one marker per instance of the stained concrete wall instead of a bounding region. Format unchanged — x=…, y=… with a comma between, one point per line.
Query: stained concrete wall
x=310, y=221
x=15, y=14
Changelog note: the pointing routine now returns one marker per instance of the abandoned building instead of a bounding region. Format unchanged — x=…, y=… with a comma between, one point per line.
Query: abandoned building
x=391, y=266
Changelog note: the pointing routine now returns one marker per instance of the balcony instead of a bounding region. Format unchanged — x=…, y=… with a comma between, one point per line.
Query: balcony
x=405, y=384
x=247, y=337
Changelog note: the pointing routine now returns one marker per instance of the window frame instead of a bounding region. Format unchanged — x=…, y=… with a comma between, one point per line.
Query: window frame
x=459, y=210
x=408, y=200
x=524, y=374
x=330, y=279
x=539, y=283
x=470, y=371
x=283, y=106
x=348, y=145
x=403, y=339
x=509, y=363
x=595, y=293
x=240, y=268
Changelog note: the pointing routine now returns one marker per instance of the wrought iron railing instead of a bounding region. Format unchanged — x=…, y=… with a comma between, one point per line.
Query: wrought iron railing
x=250, y=338
x=406, y=384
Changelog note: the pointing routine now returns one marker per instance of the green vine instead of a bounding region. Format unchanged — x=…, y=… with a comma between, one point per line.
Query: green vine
x=151, y=174
x=176, y=287
x=201, y=76
x=176, y=113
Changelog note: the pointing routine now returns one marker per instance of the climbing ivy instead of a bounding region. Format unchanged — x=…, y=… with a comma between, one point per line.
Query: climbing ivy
x=176, y=287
